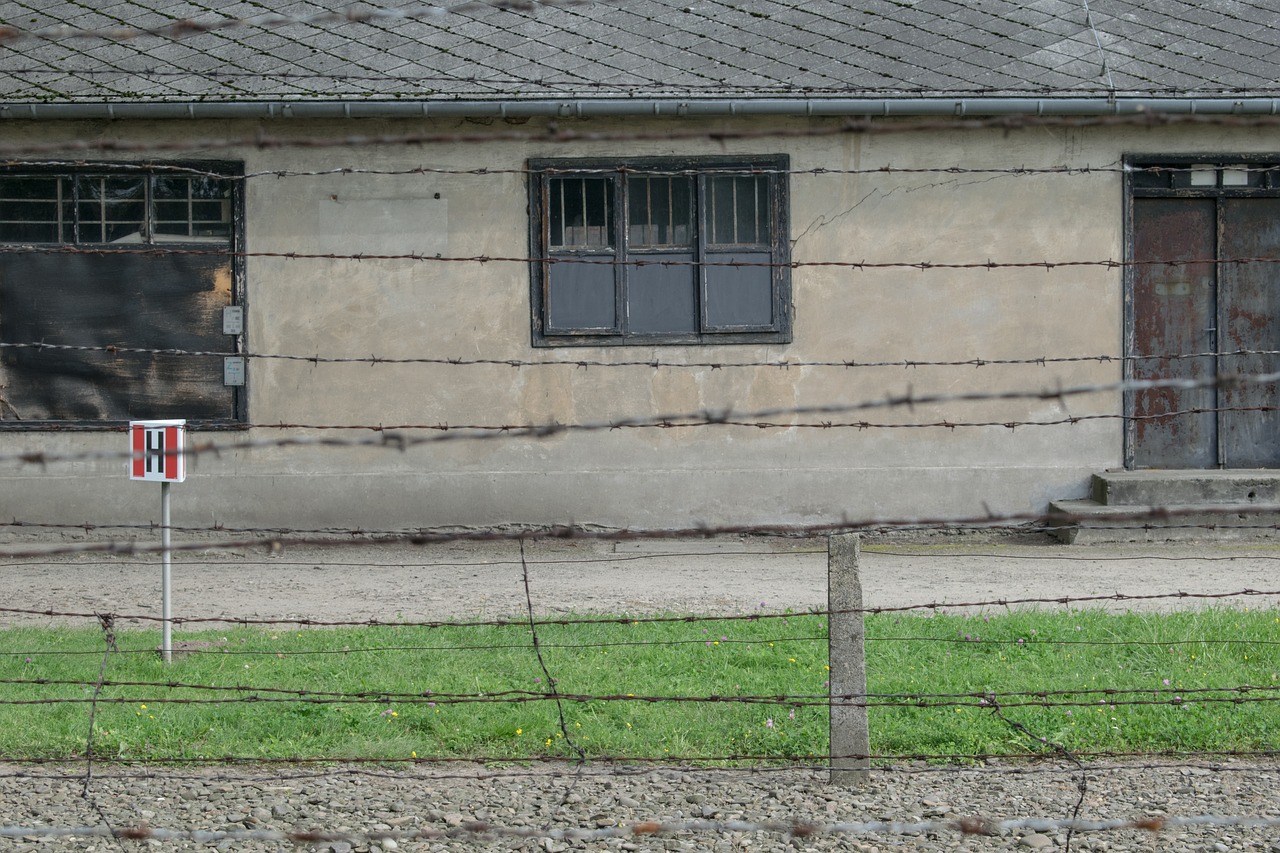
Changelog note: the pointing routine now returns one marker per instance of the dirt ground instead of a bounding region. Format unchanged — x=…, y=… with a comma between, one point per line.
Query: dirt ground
x=361, y=581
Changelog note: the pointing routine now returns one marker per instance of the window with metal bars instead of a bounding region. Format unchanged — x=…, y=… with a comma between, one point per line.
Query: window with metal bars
x=99, y=260
x=660, y=251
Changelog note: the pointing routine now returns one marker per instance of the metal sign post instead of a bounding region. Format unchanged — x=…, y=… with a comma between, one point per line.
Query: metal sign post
x=158, y=457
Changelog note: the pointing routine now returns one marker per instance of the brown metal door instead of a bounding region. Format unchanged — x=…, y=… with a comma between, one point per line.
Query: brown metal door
x=1248, y=319
x=1187, y=308
x=1174, y=311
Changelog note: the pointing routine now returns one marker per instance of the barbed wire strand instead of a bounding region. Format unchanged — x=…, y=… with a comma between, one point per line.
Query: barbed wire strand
x=796, y=828
x=191, y=650
x=612, y=766
x=705, y=418
x=945, y=606
x=654, y=363
x=1113, y=696
x=930, y=607
x=1046, y=264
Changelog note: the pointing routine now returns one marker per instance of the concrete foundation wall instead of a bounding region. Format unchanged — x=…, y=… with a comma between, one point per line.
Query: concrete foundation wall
x=649, y=477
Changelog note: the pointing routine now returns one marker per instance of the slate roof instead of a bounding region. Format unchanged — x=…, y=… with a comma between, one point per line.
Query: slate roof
x=649, y=48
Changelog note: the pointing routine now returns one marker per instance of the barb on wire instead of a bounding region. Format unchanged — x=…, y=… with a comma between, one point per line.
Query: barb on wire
x=706, y=418
x=654, y=363
x=644, y=829
x=1047, y=264
x=932, y=607
x=348, y=651
x=493, y=766
x=1237, y=696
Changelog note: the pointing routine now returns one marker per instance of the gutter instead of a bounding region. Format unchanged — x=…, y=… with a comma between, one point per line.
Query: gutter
x=637, y=107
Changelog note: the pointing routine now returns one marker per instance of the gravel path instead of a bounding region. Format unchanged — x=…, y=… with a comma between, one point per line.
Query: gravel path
x=358, y=804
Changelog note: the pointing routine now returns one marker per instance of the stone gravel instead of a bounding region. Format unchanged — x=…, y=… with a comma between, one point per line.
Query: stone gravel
x=361, y=804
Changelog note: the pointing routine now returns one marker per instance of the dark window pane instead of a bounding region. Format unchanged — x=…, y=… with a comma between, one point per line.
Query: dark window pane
x=739, y=296
x=581, y=296
x=738, y=210
x=659, y=211
x=168, y=187
x=12, y=189
x=111, y=208
x=661, y=298
x=29, y=232
x=172, y=211
x=581, y=213
x=29, y=210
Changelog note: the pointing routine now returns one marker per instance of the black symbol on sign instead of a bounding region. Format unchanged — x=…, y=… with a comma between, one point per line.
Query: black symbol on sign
x=155, y=451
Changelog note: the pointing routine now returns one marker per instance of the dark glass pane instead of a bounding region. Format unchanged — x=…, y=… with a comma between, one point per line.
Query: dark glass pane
x=580, y=297
x=581, y=213
x=738, y=210
x=211, y=211
x=167, y=187
x=739, y=291
x=210, y=188
x=180, y=228
x=29, y=232
x=29, y=211
x=659, y=212
x=661, y=297
x=172, y=211
x=28, y=188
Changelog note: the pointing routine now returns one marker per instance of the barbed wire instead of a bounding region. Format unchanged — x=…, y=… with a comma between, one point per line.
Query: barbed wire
x=655, y=363
x=555, y=132
x=727, y=417
x=612, y=766
x=988, y=699
x=796, y=828
x=1047, y=264
x=186, y=27
x=781, y=701
x=1009, y=424
x=192, y=650
x=639, y=619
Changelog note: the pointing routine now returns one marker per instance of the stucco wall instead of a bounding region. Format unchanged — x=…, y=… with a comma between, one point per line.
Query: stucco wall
x=649, y=477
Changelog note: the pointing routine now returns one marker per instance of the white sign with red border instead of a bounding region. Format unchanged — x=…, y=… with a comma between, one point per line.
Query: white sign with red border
x=157, y=451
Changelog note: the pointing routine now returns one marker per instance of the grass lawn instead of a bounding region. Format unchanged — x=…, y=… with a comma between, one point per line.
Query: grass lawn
x=410, y=691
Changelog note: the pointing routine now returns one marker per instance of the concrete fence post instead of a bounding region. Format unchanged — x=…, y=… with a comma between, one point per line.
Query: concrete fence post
x=850, y=735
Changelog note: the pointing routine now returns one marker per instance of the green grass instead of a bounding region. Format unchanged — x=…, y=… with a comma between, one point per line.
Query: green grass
x=1074, y=651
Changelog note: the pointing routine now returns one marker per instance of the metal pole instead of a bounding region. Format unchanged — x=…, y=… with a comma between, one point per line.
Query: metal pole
x=166, y=630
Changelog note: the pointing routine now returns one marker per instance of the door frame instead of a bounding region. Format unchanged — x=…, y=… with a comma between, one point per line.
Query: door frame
x=1139, y=170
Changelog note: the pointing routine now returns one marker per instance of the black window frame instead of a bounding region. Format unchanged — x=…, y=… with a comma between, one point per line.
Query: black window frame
x=626, y=259
x=233, y=244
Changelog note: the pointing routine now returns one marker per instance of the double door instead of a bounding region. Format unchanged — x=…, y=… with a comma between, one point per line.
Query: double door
x=1205, y=307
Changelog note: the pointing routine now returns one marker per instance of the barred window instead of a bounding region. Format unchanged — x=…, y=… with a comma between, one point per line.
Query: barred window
x=114, y=257
x=660, y=251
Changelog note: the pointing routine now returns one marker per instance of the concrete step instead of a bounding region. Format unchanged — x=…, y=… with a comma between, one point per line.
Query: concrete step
x=1088, y=522
x=1187, y=488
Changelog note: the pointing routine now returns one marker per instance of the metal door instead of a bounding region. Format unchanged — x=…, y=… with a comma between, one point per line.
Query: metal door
x=1201, y=321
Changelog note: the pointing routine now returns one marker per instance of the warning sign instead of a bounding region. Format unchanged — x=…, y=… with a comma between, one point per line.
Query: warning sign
x=157, y=451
